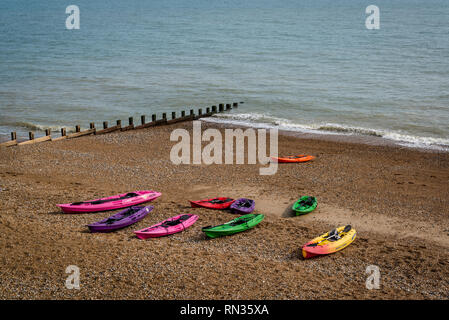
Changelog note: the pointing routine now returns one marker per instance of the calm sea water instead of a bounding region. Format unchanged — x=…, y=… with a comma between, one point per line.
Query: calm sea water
x=299, y=65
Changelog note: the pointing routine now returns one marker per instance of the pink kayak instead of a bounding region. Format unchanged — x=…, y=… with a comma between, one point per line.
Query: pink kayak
x=110, y=203
x=169, y=226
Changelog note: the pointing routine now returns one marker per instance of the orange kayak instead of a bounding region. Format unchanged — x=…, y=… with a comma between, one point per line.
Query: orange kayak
x=297, y=158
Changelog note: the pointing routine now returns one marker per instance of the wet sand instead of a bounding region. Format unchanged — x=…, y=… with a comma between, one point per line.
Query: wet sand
x=396, y=198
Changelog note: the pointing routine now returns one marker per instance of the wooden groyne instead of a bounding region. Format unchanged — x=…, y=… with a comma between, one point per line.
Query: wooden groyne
x=209, y=111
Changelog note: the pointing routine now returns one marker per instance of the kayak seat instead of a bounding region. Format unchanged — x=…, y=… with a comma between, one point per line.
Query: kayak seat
x=111, y=220
x=218, y=201
x=333, y=235
x=241, y=221
x=246, y=204
x=170, y=223
x=306, y=203
x=175, y=222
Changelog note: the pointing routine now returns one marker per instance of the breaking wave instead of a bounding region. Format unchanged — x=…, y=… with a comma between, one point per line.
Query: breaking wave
x=265, y=121
x=39, y=127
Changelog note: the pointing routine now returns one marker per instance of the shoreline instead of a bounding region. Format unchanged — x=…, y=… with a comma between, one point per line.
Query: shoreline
x=356, y=138
x=333, y=137
x=396, y=198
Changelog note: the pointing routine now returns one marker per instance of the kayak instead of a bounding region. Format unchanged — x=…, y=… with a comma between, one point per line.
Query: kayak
x=120, y=220
x=291, y=159
x=330, y=242
x=304, y=205
x=239, y=224
x=242, y=206
x=110, y=203
x=169, y=226
x=214, y=203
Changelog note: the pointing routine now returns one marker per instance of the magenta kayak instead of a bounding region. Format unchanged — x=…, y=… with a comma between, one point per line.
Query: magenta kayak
x=110, y=203
x=169, y=226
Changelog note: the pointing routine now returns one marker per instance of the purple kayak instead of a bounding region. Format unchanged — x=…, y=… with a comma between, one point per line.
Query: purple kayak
x=242, y=206
x=121, y=219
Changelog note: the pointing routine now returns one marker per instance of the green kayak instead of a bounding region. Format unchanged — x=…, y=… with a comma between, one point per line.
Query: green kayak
x=239, y=224
x=304, y=205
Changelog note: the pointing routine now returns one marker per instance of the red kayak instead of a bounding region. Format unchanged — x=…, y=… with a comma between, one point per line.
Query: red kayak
x=214, y=203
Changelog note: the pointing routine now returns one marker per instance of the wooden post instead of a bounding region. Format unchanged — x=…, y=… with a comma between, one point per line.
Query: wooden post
x=220, y=107
x=164, y=116
x=63, y=132
x=13, y=141
x=173, y=115
x=130, y=126
x=77, y=128
x=142, y=119
x=33, y=140
x=200, y=111
x=191, y=112
x=107, y=128
x=235, y=105
x=183, y=114
x=208, y=110
x=214, y=108
x=92, y=125
x=47, y=132
x=228, y=106
x=153, y=118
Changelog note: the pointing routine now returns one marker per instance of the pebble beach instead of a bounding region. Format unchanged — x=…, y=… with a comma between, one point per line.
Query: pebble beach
x=396, y=198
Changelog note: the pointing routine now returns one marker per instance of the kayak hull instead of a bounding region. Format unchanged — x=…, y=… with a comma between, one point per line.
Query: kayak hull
x=142, y=196
x=122, y=219
x=216, y=206
x=300, y=210
x=158, y=230
x=226, y=229
x=238, y=206
x=328, y=247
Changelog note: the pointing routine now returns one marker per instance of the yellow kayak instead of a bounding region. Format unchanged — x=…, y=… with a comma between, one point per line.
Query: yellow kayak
x=330, y=242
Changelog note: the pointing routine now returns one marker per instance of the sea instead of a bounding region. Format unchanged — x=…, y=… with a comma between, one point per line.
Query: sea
x=301, y=66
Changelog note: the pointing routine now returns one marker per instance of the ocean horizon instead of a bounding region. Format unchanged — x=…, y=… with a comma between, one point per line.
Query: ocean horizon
x=309, y=66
